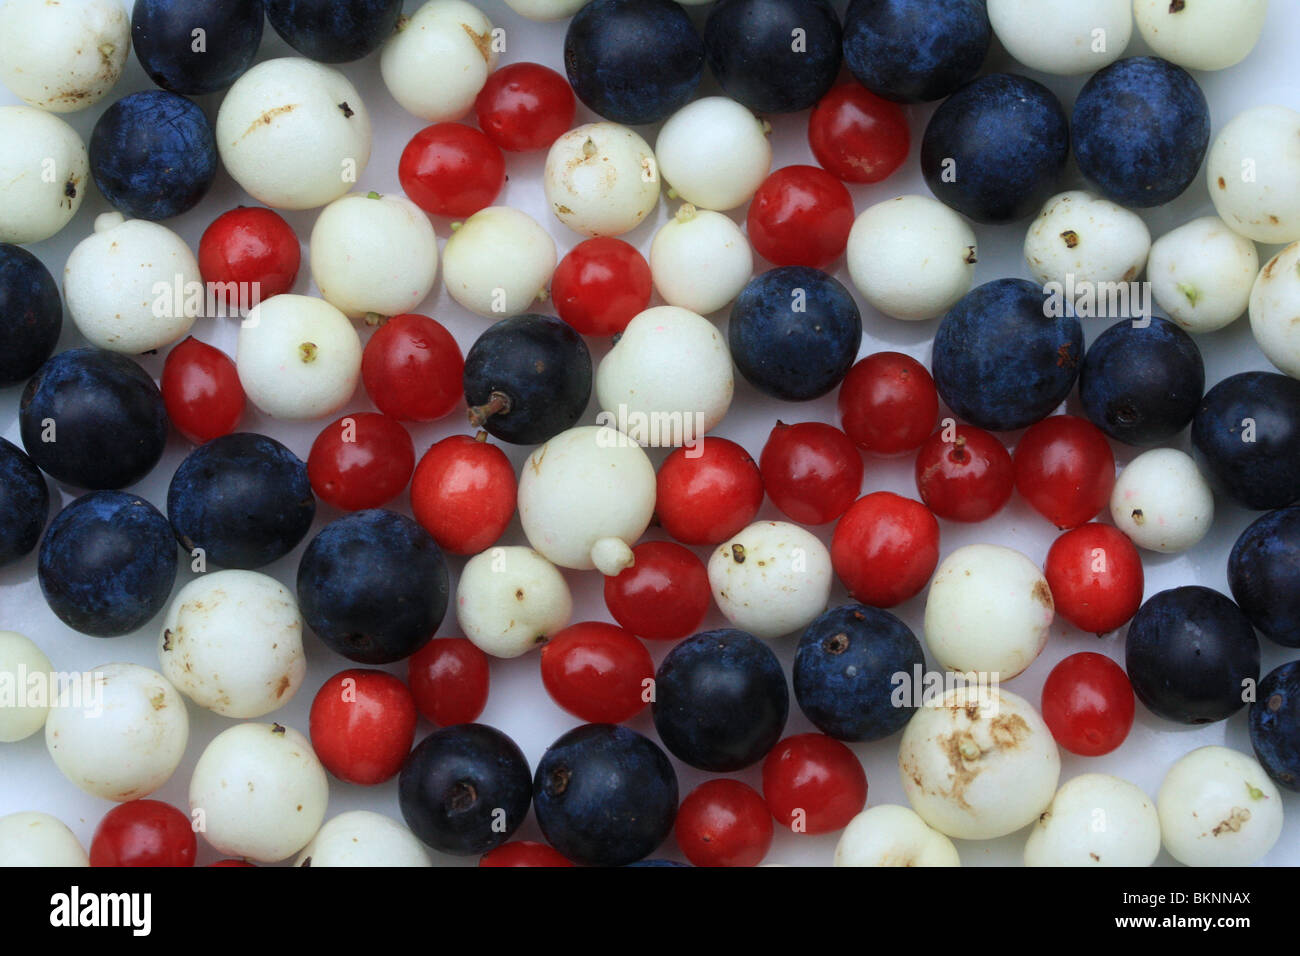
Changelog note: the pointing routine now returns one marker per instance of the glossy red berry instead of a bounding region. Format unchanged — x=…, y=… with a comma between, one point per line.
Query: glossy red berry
x=362, y=460
x=724, y=823
x=525, y=106
x=812, y=471
x=362, y=725
x=708, y=492
x=598, y=672
x=601, y=285
x=800, y=216
x=449, y=169
x=888, y=404
x=463, y=493
x=1095, y=573
x=885, y=548
x=143, y=833
x=813, y=784
x=523, y=853
x=964, y=473
x=858, y=136
x=1088, y=704
x=251, y=246
x=413, y=369
x=1065, y=469
x=663, y=596
x=201, y=391
x=449, y=680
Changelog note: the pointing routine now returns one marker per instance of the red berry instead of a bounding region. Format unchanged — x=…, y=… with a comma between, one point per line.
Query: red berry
x=463, y=493
x=598, y=672
x=800, y=216
x=525, y=106
x=708, y=492
x=812, y=471
x=885, y=548
x=663, y=596
x=1088, y=704
x=964, y=473
x=858, y=136
x=449, y=169
x=888, y=404
x=413, y=369
x=814, y=784
x=143, y=833
x=201, y=391
x=523, y=853
x=226, y=863
x=363, y=460
x=601, y=285
x=363, y=725
x=449, y=680
x=1096, y=578
x=724, y=823
x=1065, y=469
x=251, y=246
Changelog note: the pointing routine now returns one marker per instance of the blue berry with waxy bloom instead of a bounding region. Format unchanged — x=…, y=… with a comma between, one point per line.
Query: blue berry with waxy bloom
x=334, y=31
x=196, y=46
x=1275, y=725
x=1246, y=436
x=31, y=314
x=1264, y=575
x=913, y=51
x=24, y=503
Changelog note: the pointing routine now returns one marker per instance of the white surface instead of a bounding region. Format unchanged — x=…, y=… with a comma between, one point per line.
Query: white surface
x=518, y=704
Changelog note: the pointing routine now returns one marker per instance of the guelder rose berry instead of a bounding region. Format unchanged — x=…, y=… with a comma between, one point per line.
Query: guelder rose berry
x=38, y=839
x=700, y=260
x=771, y=579
x=438, y=60
x=62, y=57
x=1253, y=172
x=1162, y=501
x=510, y=600
x=1064, y=37
x=1274, y=308
x=1096, y=820
x=44, y=174
x=1199, y=35
x=1218, y=808
x=1082, y=235
x=714, y=153
x=601, y=179
x=890, y=835
x=363, y=838
x=498, y=262
x=1201, y=274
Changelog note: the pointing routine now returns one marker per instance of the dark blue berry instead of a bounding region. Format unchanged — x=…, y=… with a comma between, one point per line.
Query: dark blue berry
x=24, y=503
x=1247, y=438
x=1275, y=725
x=1264, y=575
x=163, y=34
x=31, y=315
x=658, y=862
x=913, y=51
x=334, y=31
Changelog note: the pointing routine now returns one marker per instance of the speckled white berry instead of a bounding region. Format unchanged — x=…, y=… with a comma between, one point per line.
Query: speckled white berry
x=601, y=179
x=498, y=262
x=890, y=835
x=1201, y=274
x=1218, y=808
x=1253, y=172
x=1201, y=34
x=1096, y=820
x=1064, y=37
x=772, y=579
x=714, y=153
x=363, y=838
x=1275, y=310
x=26, y=682
x=44, y=174
x=700, y=260
x=63, y=56
x=1082, y=235
x=510, y=600
x=38, y=839
x=438, y=60
x=1162, y=501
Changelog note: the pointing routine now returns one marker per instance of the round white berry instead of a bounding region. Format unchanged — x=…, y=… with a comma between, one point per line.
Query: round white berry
x=1201, y=35
x=1201, y=274
x=1275, y=308
x=1064, y=37
x=509, y=600
x=890, y=835
x=714, y=153
x=771, y=579
x=363, y=838
x=259, y=792
x=438, y=60
x=44, y=174
x=293, y=133
x=498, y=262
x=601, y=179
x=26, y=679
x=299, y=358
x=911, y=257
x=700, y=260
x=1096, y=820
x=1091, y=239
x=38, y=839
x=62, y=57
x=547, y=10
x=1253, y=172
x=1218, y=808
x=1162, y=501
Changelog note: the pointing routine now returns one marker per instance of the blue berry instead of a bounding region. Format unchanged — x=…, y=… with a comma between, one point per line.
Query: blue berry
x=1275, y=725
x=31, y=315
x=913, y=51
x=24, y=503
x=334, y=31
x=1264, y=575
x=162, y=32
x=1247, y=437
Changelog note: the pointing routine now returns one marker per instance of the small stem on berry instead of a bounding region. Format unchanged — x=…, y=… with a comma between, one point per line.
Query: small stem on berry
x=498, y=403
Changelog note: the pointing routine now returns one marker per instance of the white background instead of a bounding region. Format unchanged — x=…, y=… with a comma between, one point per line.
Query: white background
x=518, y=704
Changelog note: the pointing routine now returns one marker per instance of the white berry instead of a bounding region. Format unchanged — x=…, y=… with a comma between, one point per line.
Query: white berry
x=1253, y=172
x=700, y=260
x=1201, y=274
x=44, y=174
x=1064, y=37
x=38, y=839
x=438, y=60
x=26, y=681
x=546, y=10
x=498, y=262
x=62, y=57
x=1275, y=307
x=1092, y=239
x=1162, y=501
x=771, y=579
x=510, y=600
x=1201, y=35
x=363, y=838
x=890, y=835
x=601, y=179
x=1096, y=820
x=714, y=153
x=1218, y=808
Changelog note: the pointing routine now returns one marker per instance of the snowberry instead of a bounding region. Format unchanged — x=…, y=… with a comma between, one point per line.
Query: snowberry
x=509, y=600
x=25, y=685
x=62, y=57
x=1162, y=502
x=1254, y=174
x=700, y=260
x=714, y=153
x=1274, y=307
x=1198, y=35
x=44, y=174
x=1218, y=808
x=1096, y=820
x=498, y=262
x=363, y=838
x=438, y=60
x=1082, y=235
x=1201, y=274
x=601, y=179
x=890, y=835
x=38, y=839
x=771, y=579
x=1064, y=37
x=547, y=10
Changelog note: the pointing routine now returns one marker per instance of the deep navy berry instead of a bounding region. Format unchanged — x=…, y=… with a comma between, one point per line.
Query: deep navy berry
x=244, y=499
x=1189, y=653
x=373, y=586
x=465, y=789
x=1264, y=575
x=605, y=795
x=163, y=34
x=1275, y=725
x=1247, y=438
x=1141, y=384
x=31, y=315
x=720, y=700
x=845, y=668
x=1001, y=361
x=658, y=862
x=93, y=419
x=913, y=51
x=633, y=61
x=153, y=155
x=24, y=503
x=1141, y=129
x=794, y=333
x=107, y=563
x=759, y=59
x=529, y=377
x=995, y=150
x=334, y=31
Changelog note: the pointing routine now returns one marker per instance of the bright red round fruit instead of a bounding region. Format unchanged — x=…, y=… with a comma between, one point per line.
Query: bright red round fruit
x=362, y=725
x=1088, y=704
x=708, y=492
x=888, y=404
x=598, y=672
x=449, y=680
x=523, y=853
x=724, y=823
x=253, y=247
x=1095, y=573
x=450, y=169
x=362, y=460
x=885, y=548
x=964, y=473
x=143, y=833
x=858, y=136
x=663, y=596
x=525, y=106
x=812, y=471
x=201, y=391
x=814, y=784
x=413, y=369
x=1065, y=469
x=601, y=285
x=800, y=216
x=463, y=493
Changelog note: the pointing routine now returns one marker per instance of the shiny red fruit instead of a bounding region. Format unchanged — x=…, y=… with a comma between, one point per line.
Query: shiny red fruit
x=813, y=784
x=201, y=391
x=885, y=548
x=254, y=247
x=143, y=833
x=449, y=169
x=964, y=473
x=858, y=136
x=598, y=672
x=1065, y=469
x=800, y=216
x=362, y=725
x=708, y=492
x=525, y=106
x=663, y=596
x=601, y=285
x=362, y=460
x=413, y=369
x=523, y=853
x=449, y=680
x=1095, y=573
x=1088, y=704
x=888, y=404
x=811, y=471
x=463, y=493
x=724, y=823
